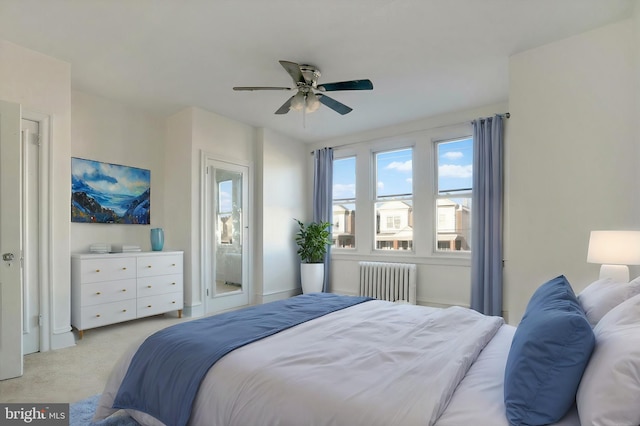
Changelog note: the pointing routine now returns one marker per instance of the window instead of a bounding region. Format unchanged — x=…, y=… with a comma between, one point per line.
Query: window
x=225, y=210
x=453, y=197
x=394, y=200
x=344, y=202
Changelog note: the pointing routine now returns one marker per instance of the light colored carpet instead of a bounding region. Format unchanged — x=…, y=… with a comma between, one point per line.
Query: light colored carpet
x=81, y=371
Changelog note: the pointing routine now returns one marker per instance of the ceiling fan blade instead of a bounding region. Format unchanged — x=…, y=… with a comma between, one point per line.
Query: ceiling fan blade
x=338, y=107
x=294, y=71
x=285, y=107
x=261, y=88
x=346, y=85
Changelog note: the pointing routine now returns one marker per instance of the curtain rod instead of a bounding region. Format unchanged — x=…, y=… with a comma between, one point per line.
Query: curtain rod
x=505, y=115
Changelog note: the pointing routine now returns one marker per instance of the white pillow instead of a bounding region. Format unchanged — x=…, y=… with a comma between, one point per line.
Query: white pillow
x=610, y=387
x=601, y=296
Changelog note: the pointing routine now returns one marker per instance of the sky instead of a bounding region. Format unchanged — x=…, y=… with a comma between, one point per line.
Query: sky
x=111, y=178
x=395, y=174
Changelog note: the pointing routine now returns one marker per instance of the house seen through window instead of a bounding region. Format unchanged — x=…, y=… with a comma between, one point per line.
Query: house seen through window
x=344, y=202
x=453, y=195
x=394, y=200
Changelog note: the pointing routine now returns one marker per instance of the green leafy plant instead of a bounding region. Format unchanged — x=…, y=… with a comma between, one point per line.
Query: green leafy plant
x=312, y=240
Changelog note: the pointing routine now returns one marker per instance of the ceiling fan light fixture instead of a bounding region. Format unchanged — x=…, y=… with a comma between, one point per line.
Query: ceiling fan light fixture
x=305, y=78
x=313, y=103
x=298, y=101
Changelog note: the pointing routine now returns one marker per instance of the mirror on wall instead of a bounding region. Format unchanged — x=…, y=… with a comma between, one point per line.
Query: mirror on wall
x=228, y=218
x=226, y=247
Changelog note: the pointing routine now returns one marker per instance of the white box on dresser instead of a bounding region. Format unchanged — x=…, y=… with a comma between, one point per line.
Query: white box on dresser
x=115, y=287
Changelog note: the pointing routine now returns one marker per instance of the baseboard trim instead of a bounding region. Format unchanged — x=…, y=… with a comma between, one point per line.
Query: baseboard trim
x=422, y=302
x=279, y=295
x=63, y=340
x=193, y=311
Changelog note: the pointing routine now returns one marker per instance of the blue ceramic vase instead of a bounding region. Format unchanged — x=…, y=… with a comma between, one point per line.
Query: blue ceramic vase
x=157, y=239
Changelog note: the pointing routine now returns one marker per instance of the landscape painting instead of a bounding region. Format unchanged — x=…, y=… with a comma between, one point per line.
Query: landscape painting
x=109, y=193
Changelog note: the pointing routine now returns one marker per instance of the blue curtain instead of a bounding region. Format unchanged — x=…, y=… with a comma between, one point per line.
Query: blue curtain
x=323, y=198
x=486, y=221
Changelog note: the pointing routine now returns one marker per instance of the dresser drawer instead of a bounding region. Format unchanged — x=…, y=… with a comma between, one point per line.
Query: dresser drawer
x=111, y=288
x=159, y=265
x=162, y=284
x=107, y=313
x=103, y=269
x=153, y=305
x=107, y=291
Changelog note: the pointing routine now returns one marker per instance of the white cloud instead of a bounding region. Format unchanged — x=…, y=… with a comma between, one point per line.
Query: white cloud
x=344, y=191
x=455, y=171
x=453, y=155
x=380, y=185
x=225, y=201
x=400, y=166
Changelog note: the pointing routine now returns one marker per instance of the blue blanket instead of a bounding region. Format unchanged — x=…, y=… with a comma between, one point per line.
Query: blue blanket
x=166, y=371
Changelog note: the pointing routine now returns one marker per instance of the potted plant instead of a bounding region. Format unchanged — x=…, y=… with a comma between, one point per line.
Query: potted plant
x=312, y=240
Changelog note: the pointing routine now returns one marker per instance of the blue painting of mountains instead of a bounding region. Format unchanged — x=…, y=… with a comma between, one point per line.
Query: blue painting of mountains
x=109, y=193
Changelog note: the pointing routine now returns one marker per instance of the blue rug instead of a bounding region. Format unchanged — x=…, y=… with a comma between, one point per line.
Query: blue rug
x=81, y=414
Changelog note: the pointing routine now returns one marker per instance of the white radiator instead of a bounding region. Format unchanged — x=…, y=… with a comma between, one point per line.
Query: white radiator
x=388, y=281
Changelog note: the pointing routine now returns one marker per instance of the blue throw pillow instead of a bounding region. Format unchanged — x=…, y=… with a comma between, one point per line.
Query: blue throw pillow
x=550, y=351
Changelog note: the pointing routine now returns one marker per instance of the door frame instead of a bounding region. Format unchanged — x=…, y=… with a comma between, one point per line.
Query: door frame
x=205, y=232
x=44, y=220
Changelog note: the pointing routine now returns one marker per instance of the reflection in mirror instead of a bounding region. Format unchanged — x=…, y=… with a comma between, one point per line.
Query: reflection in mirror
x=229, y=230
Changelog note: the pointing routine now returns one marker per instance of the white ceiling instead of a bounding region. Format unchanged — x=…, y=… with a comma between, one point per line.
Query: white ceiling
x=424, y=57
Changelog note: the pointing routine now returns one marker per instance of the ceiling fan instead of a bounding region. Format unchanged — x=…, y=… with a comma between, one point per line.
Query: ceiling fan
x=307, y=99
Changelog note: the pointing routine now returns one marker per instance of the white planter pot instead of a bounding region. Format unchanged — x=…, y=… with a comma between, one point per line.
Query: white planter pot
x=312, y=277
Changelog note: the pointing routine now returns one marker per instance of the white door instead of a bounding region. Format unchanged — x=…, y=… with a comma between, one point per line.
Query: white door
x=225, y=254
x=10, y=242
x=30, y=236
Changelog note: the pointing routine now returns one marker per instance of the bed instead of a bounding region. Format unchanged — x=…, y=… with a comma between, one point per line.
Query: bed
x=370, y=363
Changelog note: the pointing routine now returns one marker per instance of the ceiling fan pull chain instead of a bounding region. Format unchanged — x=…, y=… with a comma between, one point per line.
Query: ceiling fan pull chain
x=304, y=114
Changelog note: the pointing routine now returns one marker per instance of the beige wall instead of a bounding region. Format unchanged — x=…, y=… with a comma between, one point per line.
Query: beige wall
x=442, y=279
x=571, y=156
x=110, y=132
x=43, y=84
x=178, y=208
x=190, y=133
x=281, y=189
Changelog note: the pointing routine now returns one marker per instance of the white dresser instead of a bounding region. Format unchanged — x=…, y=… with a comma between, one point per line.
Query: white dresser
x=116, y=287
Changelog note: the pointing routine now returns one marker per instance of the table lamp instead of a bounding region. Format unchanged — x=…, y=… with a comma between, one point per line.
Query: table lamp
x=614, y=250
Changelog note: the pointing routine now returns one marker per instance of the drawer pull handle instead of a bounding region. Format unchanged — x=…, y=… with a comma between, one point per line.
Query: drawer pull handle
x=174, y=302
x=98, y=316
x=124, y=310
x=148, y=306
x=124, y=268
x=173, y=283
x=98, y=293
x=149, y=266
x=173, y=264
x=148, y=286
x=97, y=270
x=124, y=289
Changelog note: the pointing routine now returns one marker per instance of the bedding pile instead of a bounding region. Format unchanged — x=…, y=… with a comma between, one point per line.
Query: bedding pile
x=374, y=363
x=178, y=357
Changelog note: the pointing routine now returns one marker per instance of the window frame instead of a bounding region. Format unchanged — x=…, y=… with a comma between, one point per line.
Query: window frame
x=424, y=188
x=373, y=210
x=437, y=195
x=346, y=154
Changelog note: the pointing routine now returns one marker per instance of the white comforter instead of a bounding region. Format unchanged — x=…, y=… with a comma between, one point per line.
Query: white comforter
x=376, y=363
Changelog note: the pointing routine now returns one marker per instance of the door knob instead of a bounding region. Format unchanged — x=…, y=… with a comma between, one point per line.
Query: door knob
x=8, y=257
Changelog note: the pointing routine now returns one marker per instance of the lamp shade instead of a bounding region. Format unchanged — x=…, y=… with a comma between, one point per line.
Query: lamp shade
x=614, y=247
